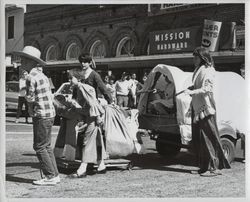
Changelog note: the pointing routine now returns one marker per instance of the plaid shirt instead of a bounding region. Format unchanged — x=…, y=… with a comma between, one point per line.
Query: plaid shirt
x=39, y=95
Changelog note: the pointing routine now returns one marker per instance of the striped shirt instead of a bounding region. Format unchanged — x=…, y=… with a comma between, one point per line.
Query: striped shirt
x=39, y=94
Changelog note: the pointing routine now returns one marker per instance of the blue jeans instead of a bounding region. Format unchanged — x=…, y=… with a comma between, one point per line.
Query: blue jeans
x=42, y=145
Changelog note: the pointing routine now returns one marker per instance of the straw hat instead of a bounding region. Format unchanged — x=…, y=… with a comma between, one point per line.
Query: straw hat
x=31, y=53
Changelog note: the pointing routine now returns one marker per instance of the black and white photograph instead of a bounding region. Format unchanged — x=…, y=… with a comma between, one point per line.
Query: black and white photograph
x=124, y=100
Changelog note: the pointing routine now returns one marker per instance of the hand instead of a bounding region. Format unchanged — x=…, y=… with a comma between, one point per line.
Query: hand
x=74, y=81
x=188, y=92
x=135, y=104
x=28, y=77
x=99, y=121
x=154, y=90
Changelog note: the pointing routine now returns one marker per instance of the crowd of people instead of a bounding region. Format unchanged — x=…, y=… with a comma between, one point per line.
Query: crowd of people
x=124, y=92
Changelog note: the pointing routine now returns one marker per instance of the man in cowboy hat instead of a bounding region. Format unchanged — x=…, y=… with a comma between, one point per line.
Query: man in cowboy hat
x=41, y=108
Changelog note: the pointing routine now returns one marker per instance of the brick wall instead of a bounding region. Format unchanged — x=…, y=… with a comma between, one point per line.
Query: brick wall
x=109, y=23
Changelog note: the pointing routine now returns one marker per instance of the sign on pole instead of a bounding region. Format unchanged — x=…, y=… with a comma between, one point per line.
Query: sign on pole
x=211, y=34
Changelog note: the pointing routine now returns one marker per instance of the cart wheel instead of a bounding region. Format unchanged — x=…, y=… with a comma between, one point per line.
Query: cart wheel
x=228, y=149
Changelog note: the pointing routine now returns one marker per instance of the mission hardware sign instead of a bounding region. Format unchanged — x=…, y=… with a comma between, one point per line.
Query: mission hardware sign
x=175, y=40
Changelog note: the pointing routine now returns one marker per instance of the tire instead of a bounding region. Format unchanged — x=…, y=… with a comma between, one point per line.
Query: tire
x=165, y=149
x=228, y=149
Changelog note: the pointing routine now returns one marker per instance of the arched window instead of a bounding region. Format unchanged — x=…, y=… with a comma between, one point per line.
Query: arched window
x=98, y=50
x=148, y=49
x=125, y=47
x=51, y=54
x=73, y=51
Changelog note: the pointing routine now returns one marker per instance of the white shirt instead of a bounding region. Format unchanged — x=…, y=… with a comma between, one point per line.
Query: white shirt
x=122, y=87
x=133, y=83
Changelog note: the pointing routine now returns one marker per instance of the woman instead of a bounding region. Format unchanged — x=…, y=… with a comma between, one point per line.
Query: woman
x=93, y=151
x=205, y=134
x=91, y=77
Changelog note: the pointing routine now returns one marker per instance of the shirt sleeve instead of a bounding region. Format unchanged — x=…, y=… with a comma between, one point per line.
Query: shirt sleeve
x=103, y=88
x=208, y=82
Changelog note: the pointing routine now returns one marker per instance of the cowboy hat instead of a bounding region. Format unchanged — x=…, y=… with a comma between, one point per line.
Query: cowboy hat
x=31, y=53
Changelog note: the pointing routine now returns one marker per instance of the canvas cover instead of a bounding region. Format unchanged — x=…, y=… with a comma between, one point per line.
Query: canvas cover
x=121, y=129
x=181, y=81
x=230, y=98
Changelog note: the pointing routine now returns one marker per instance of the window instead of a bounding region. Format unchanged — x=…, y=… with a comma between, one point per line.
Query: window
x=11, y=27
x=12, y=87
x=98, y=50
x=125, y=47
x=240, y=38
x=51, y=54
x=73, y=51
x=148, y=49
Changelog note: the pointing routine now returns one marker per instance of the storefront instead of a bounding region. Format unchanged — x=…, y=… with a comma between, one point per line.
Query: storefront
x=134, y=38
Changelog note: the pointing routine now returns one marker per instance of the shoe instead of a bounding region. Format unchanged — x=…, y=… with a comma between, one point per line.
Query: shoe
x=47, y=182
x=17, y=121
x=57, y=179
x=76, y=175
x=208, y=174
x=194, y=172
x=101, y=171
x=197, y=171
x=216, y=172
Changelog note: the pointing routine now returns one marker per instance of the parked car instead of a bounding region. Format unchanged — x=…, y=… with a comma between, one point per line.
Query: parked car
x=169, y=129
x=12, y=91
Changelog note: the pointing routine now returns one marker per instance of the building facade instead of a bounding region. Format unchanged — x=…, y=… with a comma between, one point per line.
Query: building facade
x=14, y=40
x=133, y=38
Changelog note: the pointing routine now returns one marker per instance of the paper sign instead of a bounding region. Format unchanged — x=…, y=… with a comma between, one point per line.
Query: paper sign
x=210, y=35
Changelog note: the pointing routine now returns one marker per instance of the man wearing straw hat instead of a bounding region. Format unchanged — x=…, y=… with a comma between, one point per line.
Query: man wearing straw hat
x=40, y=101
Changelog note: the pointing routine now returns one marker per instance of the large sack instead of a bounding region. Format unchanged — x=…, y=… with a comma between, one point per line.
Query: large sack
x=67, y=108
x=120, y=132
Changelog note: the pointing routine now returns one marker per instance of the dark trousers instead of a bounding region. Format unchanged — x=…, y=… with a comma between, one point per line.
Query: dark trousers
x=122, y=100
x=22, y=101
x=42, y=145
x=207, y=145
x=60, y=140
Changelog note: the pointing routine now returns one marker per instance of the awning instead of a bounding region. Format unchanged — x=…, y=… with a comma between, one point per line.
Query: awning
x=149, y=61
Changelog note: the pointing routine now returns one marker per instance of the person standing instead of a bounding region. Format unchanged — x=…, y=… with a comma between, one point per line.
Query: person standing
x=109, y=83
x=122, y=87
x=132, y=95
x=41, y=108
x=205, y=134
x=89, y=76
x=92, y=144
x=112, y=88
x=21, y=97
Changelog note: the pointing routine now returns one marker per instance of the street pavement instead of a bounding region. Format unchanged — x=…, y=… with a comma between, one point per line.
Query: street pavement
x=152, y=175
